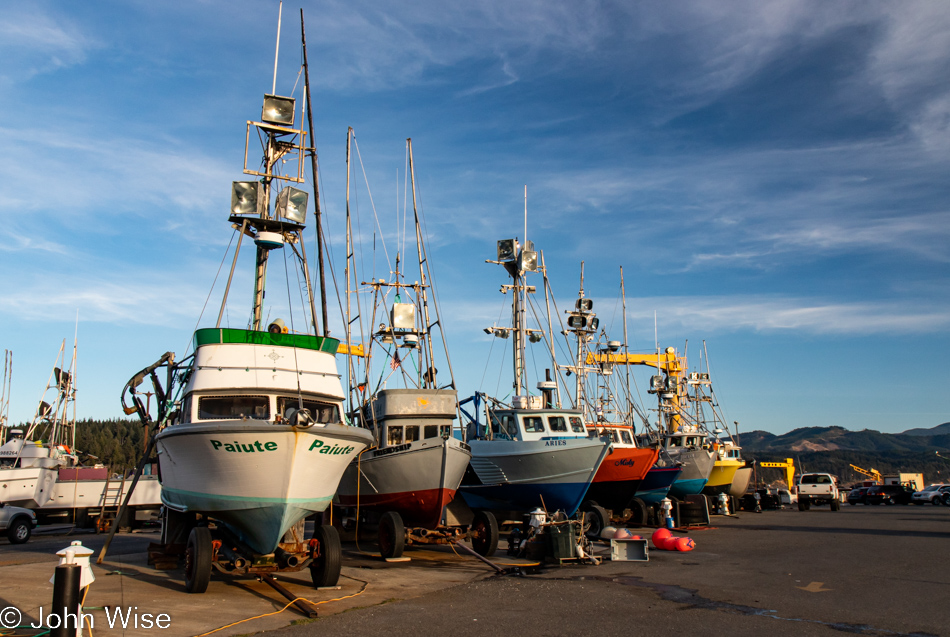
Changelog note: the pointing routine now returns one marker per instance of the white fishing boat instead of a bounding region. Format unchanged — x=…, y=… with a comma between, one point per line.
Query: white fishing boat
x=250, y=432
x=40, y=468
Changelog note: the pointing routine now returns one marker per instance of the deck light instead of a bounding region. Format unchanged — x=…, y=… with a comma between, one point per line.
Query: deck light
x=247, y=197
x=278, y=110
x=292, y=204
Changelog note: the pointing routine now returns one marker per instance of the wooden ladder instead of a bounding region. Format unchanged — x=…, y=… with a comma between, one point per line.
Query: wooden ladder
x=109, y=502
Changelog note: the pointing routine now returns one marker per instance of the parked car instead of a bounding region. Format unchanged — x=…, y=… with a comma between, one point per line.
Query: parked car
x=17, y=522
x=858, y=495
x=889, y=494
x=931, y=494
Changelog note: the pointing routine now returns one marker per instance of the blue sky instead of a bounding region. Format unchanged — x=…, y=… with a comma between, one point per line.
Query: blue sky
x=772, y=176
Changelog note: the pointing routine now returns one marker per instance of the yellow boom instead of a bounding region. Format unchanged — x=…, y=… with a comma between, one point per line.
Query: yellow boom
x=788, y=465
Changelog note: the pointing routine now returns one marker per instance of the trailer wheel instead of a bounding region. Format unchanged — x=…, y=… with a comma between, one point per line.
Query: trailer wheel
x=484, y=533
x=638, y=512
x=325, y=568
x=198, y=560
x=596, y=519
x=391, y=537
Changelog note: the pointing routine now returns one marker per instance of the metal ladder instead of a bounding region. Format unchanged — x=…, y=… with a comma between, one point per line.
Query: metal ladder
x=109, y=503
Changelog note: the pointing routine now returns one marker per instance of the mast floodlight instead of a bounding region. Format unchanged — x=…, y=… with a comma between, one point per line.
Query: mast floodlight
x=594, y=322
x=292, y=204
x=247, y=197
x=404, y=316
x=278, y=110
x=529, y=260
x=585, y=305
x=577, y=322
x=507, y=250
x=534, y=337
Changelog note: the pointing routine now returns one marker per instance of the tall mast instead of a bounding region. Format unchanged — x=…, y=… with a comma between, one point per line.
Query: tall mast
x=626, y=351
x=350, y=263
x=316, y=188
x=428, y=379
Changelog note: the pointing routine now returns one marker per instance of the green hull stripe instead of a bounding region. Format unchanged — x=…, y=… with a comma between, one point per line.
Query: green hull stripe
x=241, y=498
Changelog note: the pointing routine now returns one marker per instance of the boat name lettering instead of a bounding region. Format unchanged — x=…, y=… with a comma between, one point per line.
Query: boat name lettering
x=555, y=443
x=237, y=447
x=626, y=462
x=389, y=450
x=334, y=450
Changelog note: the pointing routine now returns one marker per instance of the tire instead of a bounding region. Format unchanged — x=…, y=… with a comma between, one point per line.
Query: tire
x=801, y=505
x=808, y=505
x=935, y=501
x=484, y=533
x=20, y=531
x=198, y=560
x=638, y=512
x=391, y=537
x=891, y=501
x=835, y=505
x=595, y=519
x=325, y=568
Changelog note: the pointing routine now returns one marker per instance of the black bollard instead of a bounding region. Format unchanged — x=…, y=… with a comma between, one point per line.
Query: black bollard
x=65, y=601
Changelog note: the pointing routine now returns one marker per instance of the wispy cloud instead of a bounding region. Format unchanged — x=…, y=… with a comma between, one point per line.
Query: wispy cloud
x=710, y=315
x=33, y=41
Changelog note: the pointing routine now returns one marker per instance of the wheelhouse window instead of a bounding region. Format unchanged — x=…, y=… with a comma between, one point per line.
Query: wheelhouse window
x=324, y=413
x=412, y=433
x=438, y=431
x=675, y=441
x=533, y=424
x=223, y=407
x=577, y=426
x=557, y=423
x=503, y=427
x=394, y=435
x=625, y=435
x=692, y=441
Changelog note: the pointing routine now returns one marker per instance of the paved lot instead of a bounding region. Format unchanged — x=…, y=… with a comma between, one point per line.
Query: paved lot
x=862, y=570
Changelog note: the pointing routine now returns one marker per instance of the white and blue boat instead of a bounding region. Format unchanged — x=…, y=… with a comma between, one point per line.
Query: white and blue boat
x=529, y=453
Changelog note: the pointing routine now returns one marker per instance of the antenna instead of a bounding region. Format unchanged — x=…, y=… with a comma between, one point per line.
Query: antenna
x=526, y=214
x=280, y=10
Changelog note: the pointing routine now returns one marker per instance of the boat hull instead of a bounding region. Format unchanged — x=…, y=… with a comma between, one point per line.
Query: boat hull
x=697, y=465
x=723, y=473
x=258, y=478
x=656, y=485
x=416, y=480
x=515, y=475
x=620, y=476
x=27, y=487
x=740, y=483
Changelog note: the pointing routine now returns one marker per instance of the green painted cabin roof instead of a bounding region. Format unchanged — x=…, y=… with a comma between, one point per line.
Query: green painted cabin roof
x=217, y=335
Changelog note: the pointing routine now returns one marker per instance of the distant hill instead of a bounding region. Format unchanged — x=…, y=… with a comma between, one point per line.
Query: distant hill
x=933, y=431
x=834, y=449
x=841, y=439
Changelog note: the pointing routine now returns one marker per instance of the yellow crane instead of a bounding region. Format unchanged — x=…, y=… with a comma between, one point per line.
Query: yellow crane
x=788, y=465
x=671, y=391
x=871, y=473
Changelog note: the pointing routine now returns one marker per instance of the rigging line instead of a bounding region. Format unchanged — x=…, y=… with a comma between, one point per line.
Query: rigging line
x=203, y=307
x=405, y=201
x=290, y=314
x=372, y=203
x=492, y=346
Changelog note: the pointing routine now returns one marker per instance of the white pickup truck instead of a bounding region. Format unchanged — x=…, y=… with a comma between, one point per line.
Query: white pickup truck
x=818, y=488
